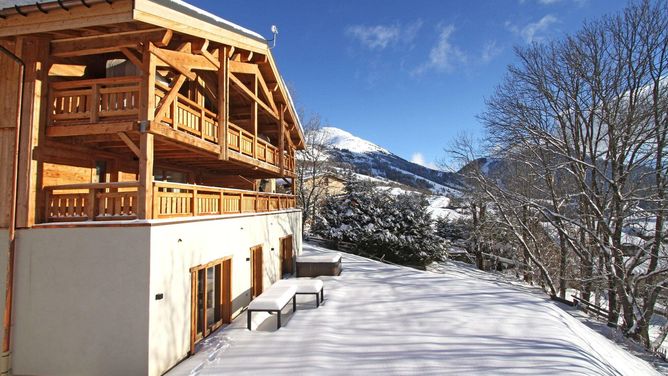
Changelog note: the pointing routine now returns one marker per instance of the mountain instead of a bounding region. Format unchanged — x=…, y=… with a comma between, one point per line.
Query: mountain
x=351, y=153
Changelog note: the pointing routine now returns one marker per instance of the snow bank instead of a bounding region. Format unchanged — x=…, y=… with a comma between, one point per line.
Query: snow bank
x=382, y=319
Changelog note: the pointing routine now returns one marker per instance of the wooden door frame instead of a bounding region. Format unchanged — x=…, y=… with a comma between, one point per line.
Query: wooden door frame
x=282, y=253
x=225, y=290
x=256, y=283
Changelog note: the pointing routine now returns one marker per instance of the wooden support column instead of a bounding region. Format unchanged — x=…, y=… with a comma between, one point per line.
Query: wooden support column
x=145, y=194
x=146, y=115
x=223, y=102
x=281, y=138
x=34, y=52
x=254, y=119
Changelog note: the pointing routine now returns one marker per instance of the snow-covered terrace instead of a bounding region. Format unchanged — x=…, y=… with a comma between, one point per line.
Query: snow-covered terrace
x=383, y=319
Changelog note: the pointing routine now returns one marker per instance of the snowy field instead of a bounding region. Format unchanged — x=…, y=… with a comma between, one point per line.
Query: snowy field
x=379, y=319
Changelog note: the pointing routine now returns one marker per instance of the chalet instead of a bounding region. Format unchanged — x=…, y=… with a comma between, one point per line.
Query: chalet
x=134, y=135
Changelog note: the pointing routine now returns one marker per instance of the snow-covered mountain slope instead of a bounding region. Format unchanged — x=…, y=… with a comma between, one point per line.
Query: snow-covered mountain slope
x=349, y=152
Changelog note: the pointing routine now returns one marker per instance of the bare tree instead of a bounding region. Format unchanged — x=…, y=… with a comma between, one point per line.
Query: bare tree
x=312, y=167
x=583, y=122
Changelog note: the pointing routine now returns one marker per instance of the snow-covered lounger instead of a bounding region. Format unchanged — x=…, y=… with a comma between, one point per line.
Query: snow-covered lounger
x=273, y=300
x=306, y=286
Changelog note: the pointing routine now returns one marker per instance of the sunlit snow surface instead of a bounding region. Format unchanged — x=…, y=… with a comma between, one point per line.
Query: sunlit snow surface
x=340, y=139
x=379, y=319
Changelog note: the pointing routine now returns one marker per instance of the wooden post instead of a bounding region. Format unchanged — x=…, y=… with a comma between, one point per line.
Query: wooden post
x=90, y=207
x=195, y=209
x=254, y=119
x=145, y=194
x=223, y=102
x=34, y=52
x=281, y=138
x=94, y=104
x=146, y=115
x=175, y=111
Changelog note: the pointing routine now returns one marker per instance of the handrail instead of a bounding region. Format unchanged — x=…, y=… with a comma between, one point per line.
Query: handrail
x=59, y=85
x=165, y=184
x=124, y=184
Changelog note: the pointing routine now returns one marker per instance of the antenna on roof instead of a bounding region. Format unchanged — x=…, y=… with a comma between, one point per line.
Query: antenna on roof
x=274, y=30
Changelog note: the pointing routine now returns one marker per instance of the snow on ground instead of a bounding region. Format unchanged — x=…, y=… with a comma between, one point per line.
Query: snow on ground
x=383, y=319
x=439, y=207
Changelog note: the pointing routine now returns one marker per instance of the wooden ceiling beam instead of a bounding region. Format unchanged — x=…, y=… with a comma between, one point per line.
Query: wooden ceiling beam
x=99, y=44
x=241, y=88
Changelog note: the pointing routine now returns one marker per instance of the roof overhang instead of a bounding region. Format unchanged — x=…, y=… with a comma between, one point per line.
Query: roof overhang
x=21, y=17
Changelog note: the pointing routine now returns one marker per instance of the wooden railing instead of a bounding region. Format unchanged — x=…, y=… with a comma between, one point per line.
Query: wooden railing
x=90, y=101
x=184, y=200
x=95, y=201
x=188, y=116
x=118, y=201
x=117, y=99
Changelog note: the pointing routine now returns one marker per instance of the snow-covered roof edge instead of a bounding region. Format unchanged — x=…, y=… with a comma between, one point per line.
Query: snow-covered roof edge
x=201, y=14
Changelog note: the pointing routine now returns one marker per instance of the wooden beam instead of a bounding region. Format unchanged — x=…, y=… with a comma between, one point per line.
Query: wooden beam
x=241, y=88
x=169, y=98
x=76, y=17
x=247, y=68
x=135, y=149
x=223, y=103
x=107, y=43
x=182, y=138
x=175, y=60
x=90, y=129
x=281, y=138
x=145, y=194
x=185, y=59
x=147, y=86
x=254, y=118
x=134, y=59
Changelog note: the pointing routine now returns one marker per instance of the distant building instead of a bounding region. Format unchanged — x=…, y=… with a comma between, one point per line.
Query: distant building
x=147, y=130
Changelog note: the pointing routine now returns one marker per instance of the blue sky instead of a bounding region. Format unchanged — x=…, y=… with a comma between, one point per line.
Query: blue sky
x=406, y=75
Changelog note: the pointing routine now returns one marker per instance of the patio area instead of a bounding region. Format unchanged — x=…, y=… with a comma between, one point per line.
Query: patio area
x=383, y=319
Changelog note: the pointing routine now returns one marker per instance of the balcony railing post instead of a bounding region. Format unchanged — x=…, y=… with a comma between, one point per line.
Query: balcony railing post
x=202, y=123
x=221, y=210
x=91, y=204
x=175, y=112
x=95, y=103
x=195, y=209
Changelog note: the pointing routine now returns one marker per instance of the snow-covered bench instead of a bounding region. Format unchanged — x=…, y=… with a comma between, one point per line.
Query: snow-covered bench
x=313, y=266
x=306, y=286
x=273, y=301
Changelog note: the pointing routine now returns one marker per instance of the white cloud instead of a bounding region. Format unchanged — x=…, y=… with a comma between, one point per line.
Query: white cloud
x=444, y=55
x=552, y=2
x=381, y=36
x=533, y=31
x=418, y=158
x=489, y=51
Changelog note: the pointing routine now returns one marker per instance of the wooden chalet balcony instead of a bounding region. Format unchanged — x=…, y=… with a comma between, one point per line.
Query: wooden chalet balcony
x=118, y=201
x=111, y=105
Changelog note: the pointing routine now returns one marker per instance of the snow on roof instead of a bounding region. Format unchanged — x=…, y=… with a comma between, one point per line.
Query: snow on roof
x=178, y=5
x=209, y=17
x=383, y=319
x=341, y=139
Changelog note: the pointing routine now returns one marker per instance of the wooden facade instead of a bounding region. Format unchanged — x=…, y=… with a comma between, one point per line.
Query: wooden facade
x=139, y=110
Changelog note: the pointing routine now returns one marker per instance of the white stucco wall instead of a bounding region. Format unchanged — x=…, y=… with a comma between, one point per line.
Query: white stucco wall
x=175, y=248
x=85, y=296
x=81, y=301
